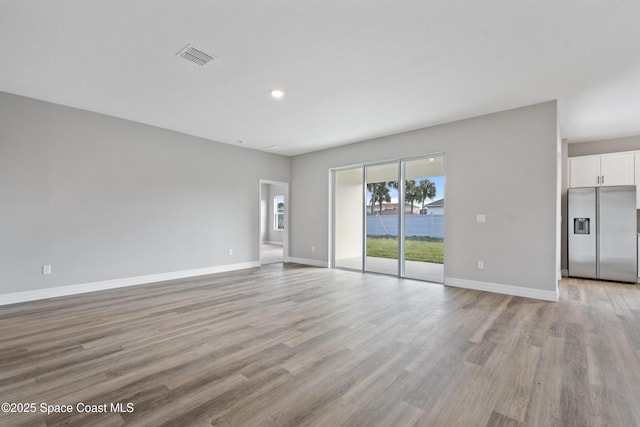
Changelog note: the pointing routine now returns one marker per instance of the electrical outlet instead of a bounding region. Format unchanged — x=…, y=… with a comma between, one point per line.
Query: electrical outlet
x=480, y=265
x=481, y=218
x=46, y=269
x=230, y=251
x=313, y=248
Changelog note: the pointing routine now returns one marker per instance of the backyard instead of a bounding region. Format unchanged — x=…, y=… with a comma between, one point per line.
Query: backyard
x=424, y=249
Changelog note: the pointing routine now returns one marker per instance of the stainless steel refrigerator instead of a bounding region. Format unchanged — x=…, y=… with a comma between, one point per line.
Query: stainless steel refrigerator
x=603, y=233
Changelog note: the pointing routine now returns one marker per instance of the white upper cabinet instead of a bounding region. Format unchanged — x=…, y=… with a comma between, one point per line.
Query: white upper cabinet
x=604, y=170
x=617, y=169
x=584, y=171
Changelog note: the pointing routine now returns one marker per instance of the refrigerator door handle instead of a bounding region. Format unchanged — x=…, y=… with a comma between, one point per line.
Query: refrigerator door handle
x=598, y=179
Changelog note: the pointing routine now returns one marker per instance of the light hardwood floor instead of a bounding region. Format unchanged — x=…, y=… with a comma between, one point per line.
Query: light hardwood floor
x=270, y=253
x=286, y=345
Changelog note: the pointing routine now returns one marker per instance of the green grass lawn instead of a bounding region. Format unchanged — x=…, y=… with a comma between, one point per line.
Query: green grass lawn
x=423, y=249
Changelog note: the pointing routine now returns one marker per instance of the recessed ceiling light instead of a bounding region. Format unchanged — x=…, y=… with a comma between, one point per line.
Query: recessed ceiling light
x=277, y=93
x=432, y=159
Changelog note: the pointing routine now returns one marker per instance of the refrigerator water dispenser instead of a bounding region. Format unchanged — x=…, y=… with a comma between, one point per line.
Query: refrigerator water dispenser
x=581, y=225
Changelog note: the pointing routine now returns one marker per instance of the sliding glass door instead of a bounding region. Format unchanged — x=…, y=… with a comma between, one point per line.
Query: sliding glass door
x=381, y=206
x=423, y=236
x=389, y=218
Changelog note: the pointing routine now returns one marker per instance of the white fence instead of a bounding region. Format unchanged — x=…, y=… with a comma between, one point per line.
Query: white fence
x=415, y=225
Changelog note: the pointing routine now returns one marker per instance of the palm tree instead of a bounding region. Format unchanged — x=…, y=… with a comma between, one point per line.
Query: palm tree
x=426, y=190
x=379, y=194
x=411, y=192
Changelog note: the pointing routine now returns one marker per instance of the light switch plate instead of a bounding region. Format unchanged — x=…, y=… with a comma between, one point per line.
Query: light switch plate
x=481, y=218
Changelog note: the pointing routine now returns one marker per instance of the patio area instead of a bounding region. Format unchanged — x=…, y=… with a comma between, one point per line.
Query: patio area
x=428, y=271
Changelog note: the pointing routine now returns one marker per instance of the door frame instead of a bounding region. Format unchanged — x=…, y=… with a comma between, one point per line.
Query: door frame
x=285, y=235
x=401, y=216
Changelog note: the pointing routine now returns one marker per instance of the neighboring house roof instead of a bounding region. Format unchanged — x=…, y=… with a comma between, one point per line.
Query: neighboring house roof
x=436, y=204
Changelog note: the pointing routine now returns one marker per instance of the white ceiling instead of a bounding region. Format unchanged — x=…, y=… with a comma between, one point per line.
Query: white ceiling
x=352, y=70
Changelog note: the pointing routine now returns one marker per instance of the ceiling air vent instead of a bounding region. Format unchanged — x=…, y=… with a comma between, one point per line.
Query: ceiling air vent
x=196, y=56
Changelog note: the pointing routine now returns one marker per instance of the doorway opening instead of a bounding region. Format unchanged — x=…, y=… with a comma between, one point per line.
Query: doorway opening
x=388, y=218
x=274, y=208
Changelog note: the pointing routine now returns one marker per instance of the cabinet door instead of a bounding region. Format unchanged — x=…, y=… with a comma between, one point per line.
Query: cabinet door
x=584, y=171
x=617, y=169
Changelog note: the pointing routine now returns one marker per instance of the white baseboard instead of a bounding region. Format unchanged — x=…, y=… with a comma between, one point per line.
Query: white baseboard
x=61, y=291
x=273, y=243
x=503, y=289
x=308, y=261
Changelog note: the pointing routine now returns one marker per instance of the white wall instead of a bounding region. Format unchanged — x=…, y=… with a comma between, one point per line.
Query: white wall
x=503, y=165
x=348, y=219
x=264, y=212
x=564, y=211
x=102, y=198
x=604, y=146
